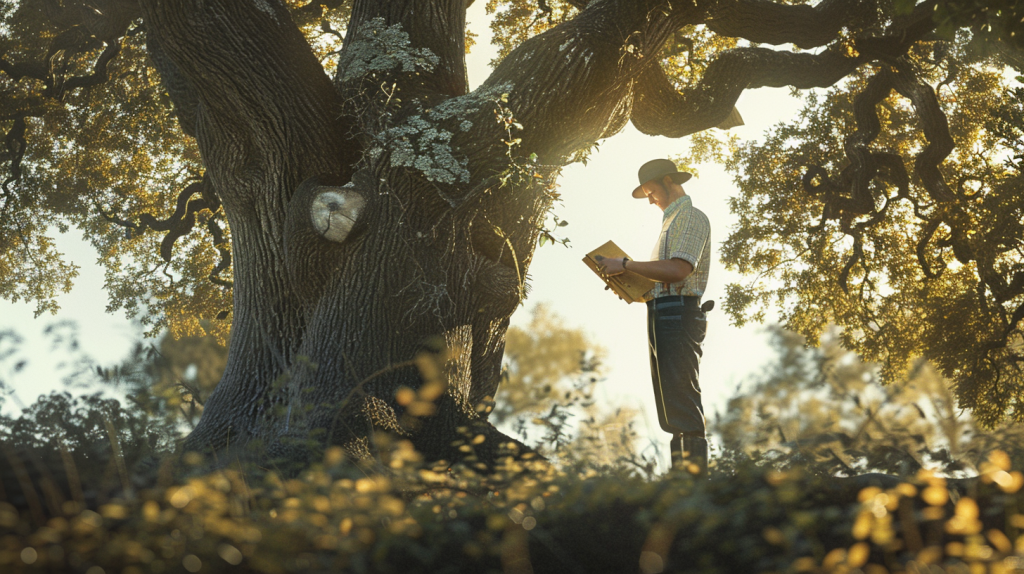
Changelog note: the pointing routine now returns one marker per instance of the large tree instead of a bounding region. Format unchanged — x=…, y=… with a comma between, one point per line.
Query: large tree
x=382, y=221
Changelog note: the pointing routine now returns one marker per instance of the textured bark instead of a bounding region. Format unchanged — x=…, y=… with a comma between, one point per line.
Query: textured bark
x=264, y=117
x=439, y=25
x=433, y=265
x=660, y=109
x=805, y=26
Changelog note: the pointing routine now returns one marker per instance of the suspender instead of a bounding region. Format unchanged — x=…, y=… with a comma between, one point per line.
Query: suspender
x=664, y=239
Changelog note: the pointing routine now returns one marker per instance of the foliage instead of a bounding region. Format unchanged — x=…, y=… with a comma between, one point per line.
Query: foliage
x=515, y=21
x=75, y=450
x=769, y=506
x=418, y=518
x=992, y=22
x=822, y=409
x=541, y=361
x=904, y=275
x=105, y=154
x=114, y=149
x=170, y=381
x=547, y=397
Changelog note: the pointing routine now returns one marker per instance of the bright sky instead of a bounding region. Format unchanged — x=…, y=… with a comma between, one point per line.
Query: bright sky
x=598, y=207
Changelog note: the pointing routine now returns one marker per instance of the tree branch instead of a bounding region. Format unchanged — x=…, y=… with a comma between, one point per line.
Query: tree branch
x=934, y=125
x=659, y=109
x=258, y=83
x=436, y=25
x=572, y=85
x=19, y=70
x=767, y=22
x=851, y=195
x=225, y=253
x=99, y=74
x=181, y=222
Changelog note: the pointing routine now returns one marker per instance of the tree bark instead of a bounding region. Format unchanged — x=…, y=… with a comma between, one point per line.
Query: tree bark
x=266, y=118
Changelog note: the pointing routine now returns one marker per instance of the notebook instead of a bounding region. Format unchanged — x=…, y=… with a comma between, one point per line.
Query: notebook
x=629, y=286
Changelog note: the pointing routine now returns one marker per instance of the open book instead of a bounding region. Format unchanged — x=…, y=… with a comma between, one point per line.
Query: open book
x=629, y=286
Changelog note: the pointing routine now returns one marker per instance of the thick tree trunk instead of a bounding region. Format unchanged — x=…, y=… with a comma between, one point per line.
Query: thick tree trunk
x=265, y=120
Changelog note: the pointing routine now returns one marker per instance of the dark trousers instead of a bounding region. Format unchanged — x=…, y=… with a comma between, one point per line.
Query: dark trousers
x=675, y=330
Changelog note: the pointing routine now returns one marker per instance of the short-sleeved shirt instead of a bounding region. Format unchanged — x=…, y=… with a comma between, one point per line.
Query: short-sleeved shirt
x=685, y=234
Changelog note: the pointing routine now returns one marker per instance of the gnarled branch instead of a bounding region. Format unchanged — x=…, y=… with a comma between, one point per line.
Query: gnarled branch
x=855, y=257
x=99, y=74
x=851, y=195
x=767, y=22
x=573, y=84
x=19, y=70
x=927, y=232
x=191, y=200
x=225, y=253
x=934, y=125
x=659, y=109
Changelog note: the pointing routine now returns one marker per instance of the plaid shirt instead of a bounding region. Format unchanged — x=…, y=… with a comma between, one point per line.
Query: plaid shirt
x=685, y=234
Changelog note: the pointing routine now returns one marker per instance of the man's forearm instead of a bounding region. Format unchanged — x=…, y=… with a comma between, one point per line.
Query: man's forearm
x=665, y=270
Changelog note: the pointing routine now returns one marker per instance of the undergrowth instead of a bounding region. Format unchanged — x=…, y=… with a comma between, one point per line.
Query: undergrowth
x=403, y=515
x=92, y=486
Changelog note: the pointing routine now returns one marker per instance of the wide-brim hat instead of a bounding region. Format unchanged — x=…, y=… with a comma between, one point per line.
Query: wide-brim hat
x=658, y=169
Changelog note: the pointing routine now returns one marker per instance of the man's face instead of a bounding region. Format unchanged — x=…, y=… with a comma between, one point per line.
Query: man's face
x=657, y=194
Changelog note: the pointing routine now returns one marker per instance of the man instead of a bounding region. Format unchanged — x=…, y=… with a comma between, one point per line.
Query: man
x=676, y=321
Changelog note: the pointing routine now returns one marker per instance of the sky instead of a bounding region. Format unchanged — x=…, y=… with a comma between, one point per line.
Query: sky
x=595, y=200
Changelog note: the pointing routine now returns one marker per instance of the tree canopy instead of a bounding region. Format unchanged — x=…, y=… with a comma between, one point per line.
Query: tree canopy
x=846, y=217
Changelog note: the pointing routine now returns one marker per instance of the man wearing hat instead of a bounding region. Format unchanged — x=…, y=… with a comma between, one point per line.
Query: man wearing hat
x=676, y=321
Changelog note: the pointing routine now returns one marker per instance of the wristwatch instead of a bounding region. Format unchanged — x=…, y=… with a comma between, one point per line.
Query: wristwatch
x=624, y=260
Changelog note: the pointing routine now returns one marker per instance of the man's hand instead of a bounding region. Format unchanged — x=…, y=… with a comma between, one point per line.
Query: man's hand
x=611, y=266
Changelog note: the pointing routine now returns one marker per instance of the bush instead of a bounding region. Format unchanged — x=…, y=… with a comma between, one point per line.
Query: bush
x=405, y=516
